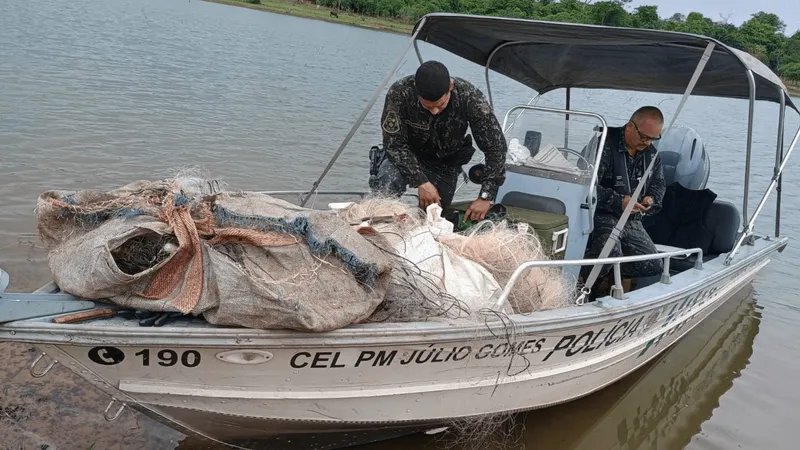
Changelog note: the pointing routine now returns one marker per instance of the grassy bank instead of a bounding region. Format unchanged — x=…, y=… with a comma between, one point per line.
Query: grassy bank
x=793, y=89
x=310, y=10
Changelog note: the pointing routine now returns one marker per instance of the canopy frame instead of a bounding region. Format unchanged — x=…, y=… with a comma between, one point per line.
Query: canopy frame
x=752, y=68
x=694, y=42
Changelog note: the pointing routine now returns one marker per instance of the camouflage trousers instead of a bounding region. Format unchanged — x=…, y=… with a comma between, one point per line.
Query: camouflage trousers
x=633, y=240
x=386, y=179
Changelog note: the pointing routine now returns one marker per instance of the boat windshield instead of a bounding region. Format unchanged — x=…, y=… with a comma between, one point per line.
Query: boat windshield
x=553, y=142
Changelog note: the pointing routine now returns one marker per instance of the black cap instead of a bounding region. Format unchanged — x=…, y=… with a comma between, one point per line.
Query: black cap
x=432, y=80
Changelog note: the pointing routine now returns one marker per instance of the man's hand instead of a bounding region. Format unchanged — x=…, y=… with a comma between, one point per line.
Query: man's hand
x=477, y=209
x=638, y=207
x=625, y=201
x=428, y=195
x=645, y=205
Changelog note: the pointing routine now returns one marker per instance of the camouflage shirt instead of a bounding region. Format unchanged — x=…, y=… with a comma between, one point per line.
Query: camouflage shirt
x=413, y=136
x=609, y=201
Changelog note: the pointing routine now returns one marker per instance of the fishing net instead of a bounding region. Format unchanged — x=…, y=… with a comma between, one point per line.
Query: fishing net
x=501, y=248
x=190, y=246
x=237, y=258
x=496, y=246
x=414, y=293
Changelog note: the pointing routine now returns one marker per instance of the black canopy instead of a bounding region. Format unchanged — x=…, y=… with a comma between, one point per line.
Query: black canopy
x=551, y=55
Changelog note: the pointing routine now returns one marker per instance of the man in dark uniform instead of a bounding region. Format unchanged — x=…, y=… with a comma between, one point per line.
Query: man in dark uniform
x=627, y=153
x=425, y=141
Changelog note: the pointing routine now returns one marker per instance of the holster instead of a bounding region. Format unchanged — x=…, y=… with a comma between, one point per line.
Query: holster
x=376, y=156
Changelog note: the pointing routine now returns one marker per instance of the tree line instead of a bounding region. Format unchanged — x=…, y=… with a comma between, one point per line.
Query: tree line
x=762, y=35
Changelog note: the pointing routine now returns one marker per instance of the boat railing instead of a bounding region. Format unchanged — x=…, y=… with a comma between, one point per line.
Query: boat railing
x=590, y=197
x=616, y=290
x=747, y=231
x=568, y=112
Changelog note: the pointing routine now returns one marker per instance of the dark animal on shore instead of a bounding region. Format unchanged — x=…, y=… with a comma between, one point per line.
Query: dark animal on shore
x=333, y=14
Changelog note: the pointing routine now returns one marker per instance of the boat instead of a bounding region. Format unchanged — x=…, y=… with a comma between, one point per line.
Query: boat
x=368, y=381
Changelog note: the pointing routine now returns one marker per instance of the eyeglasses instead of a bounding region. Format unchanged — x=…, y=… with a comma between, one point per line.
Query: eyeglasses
x=645, y=137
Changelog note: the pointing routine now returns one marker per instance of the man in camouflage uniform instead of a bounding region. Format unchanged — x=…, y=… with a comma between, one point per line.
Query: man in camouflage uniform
x=627, y=153
x=425, y=141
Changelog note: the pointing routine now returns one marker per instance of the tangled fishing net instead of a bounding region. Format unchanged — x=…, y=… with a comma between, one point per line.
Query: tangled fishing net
x=413, y=294
x=237, y=258
x=504, y=431
x=193, y=246
x=501, y=248
x=498, y=247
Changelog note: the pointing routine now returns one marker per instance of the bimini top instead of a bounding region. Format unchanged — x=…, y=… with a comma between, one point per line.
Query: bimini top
x=552, y=55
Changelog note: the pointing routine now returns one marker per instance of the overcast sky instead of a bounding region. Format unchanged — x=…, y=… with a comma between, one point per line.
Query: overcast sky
x=738, y=10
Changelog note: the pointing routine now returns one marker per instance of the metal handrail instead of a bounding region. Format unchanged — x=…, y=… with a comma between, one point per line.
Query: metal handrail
x=592, y=184
x=617, y=261
x=531, y=102
x=577, y=113
x=778, y=160
x=748, y=230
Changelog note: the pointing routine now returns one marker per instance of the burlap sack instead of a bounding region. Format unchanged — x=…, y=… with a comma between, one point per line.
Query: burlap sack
x=251, y=261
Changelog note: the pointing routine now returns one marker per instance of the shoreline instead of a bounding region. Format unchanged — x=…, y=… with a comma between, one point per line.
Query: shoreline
x=309, y=11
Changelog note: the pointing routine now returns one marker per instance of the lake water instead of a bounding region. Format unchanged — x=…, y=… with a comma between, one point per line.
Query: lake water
x=100, y=93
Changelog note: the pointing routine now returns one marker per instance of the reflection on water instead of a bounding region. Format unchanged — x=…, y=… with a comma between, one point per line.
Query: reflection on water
x=98, y=94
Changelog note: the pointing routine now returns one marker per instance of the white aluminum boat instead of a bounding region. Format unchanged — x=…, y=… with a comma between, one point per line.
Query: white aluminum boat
x=238, y=385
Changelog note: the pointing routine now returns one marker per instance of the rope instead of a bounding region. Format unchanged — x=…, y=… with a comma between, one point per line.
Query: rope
x=186, y=265
x=189, y=253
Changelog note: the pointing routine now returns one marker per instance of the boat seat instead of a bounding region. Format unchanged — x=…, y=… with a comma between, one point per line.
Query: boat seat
x=534, y=202
x=551, y=228
x=691, y=219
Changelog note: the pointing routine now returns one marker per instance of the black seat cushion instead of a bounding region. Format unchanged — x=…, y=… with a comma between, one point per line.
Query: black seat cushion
x=694, y=219
x=724, y=220
x=682, y=221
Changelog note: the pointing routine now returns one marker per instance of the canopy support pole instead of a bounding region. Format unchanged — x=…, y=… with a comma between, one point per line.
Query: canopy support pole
x=364, y=113
x=751, y=111
x=489, y=63
x=779, y=160
x=617, y=231
x=748, y=228
x=416, y=50
x=566, y=122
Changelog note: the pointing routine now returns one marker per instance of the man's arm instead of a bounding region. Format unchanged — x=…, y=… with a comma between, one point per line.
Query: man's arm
x=608, y=200
x=489, y=136
x=395, y=140
x=656, y=187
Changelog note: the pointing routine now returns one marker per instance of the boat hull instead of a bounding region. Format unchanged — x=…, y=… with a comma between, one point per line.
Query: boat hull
x=363, y=391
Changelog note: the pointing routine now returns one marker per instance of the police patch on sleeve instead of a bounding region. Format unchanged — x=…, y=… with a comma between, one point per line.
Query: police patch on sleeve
x=391, y=124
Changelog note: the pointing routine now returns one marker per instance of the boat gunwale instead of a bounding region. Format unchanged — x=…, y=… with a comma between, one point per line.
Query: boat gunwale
x=153, y=406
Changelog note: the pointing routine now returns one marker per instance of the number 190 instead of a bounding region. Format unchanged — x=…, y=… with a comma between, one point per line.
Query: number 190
x=168, y=358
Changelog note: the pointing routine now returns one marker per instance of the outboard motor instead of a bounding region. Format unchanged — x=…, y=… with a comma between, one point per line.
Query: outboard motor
x=684, y=158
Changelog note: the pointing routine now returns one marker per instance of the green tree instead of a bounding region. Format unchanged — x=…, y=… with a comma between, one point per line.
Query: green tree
x=609, y=13
x=791, y=72
x=790, y=51
x=762, y=35
x=646, y=17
